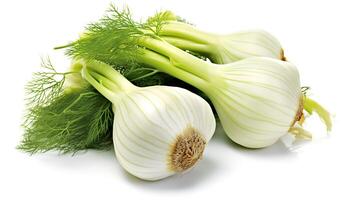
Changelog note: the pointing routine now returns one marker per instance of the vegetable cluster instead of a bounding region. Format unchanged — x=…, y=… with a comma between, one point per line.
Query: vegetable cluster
x=152, y=89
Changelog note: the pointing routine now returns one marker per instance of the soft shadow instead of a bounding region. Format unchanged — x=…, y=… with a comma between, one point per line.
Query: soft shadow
x=184, y=181
x=204, y=170
x=79, y=160
x=276, y=150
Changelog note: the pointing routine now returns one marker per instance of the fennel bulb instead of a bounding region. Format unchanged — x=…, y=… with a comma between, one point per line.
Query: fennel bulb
x=158, y=131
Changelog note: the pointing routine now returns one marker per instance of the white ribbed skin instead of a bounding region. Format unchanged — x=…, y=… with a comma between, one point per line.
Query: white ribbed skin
x=247, y=44
x=147, y=122
x=259, y=102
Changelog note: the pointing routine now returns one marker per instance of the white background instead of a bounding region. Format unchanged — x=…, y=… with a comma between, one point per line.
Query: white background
x=320, y=37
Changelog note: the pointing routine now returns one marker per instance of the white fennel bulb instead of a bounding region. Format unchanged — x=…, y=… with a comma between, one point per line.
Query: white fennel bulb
x=158, y=131
x=258, y=100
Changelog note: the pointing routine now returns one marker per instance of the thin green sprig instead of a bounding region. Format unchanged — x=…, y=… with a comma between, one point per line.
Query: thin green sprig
x=92, y=47
x=45, y=85
x=69, y=121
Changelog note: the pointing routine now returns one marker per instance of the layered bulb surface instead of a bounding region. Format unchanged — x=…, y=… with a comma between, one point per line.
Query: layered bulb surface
x=258, y=100
x=158, y=131
x=245, y=44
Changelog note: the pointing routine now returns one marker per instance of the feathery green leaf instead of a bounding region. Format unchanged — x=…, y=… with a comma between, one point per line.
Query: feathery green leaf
x=71, y=122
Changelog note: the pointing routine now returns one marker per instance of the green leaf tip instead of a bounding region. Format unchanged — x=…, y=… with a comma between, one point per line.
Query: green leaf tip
x=312, y=106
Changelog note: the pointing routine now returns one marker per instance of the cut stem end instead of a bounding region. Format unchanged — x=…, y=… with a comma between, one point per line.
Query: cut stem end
x=186, y=150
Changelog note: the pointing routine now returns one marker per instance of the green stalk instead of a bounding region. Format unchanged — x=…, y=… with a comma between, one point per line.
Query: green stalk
x=111, y=74
x=181, y=59
x=107, y=93
x=163, y=64
x=187, y=44
x=106, y=79
x=105, y=82
x=185, y=31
